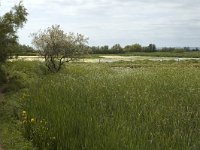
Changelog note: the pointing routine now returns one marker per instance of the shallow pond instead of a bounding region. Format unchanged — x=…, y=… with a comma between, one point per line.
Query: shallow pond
x=110, y=58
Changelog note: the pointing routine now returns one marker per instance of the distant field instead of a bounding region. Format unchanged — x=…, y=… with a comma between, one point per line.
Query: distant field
x=165, y=54
x=121, y=105
x=192, y=54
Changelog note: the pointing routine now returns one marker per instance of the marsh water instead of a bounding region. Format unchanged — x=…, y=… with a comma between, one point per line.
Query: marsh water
x=109, y=58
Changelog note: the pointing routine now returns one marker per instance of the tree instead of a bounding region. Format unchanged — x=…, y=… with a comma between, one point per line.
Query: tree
x=151, y=48
x=127, y=48
x=116, y=49
x=10, y=22
x=136, y=48
x=133, y=48
x=23, y=50
x=58, y=47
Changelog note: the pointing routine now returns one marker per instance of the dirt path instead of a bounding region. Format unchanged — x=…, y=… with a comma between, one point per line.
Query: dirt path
x=1, y=101
x=2, y=88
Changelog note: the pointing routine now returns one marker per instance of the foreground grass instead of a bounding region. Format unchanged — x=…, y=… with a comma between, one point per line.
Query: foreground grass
x=20, y=75
x=11, y=137
x=115, y=106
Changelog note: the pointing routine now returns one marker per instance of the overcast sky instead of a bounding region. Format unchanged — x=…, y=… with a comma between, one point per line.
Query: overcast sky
x=107, y=22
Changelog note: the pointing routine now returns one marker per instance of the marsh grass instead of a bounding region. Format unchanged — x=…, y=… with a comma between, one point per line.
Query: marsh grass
x=20, y=75
x=189, y=54
x=93, y=107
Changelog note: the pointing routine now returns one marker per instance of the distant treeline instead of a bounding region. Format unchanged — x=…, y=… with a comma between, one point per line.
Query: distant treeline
x=117, y=49
x=22, y=50
x=25, y=50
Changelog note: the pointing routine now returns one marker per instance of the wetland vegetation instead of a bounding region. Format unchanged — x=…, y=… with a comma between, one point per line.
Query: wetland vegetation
x=121, y=105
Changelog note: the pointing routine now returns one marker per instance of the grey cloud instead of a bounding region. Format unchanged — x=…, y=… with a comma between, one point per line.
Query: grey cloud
x=165, y=22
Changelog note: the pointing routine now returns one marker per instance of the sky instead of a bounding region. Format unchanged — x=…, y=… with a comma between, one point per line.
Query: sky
x=166, y=23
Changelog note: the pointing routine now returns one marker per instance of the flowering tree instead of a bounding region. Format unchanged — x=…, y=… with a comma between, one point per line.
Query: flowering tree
x=58, y=47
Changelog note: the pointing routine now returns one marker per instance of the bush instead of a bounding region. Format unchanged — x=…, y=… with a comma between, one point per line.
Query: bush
x=21, y=75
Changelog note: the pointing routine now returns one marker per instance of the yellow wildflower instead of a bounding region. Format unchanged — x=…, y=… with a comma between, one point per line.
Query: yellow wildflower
x=23, y=112
x=24, y=122
x=32, y=120
x=24, y=117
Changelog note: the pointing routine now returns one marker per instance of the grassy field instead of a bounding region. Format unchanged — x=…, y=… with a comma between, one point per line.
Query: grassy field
x=167, y=54
x=121, y=105
x=191, y=54
x=21, y=76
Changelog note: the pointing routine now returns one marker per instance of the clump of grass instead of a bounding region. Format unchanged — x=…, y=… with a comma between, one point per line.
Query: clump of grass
x=91, y=106
x=18, y=75
x=11, y=137
x=37, y=129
